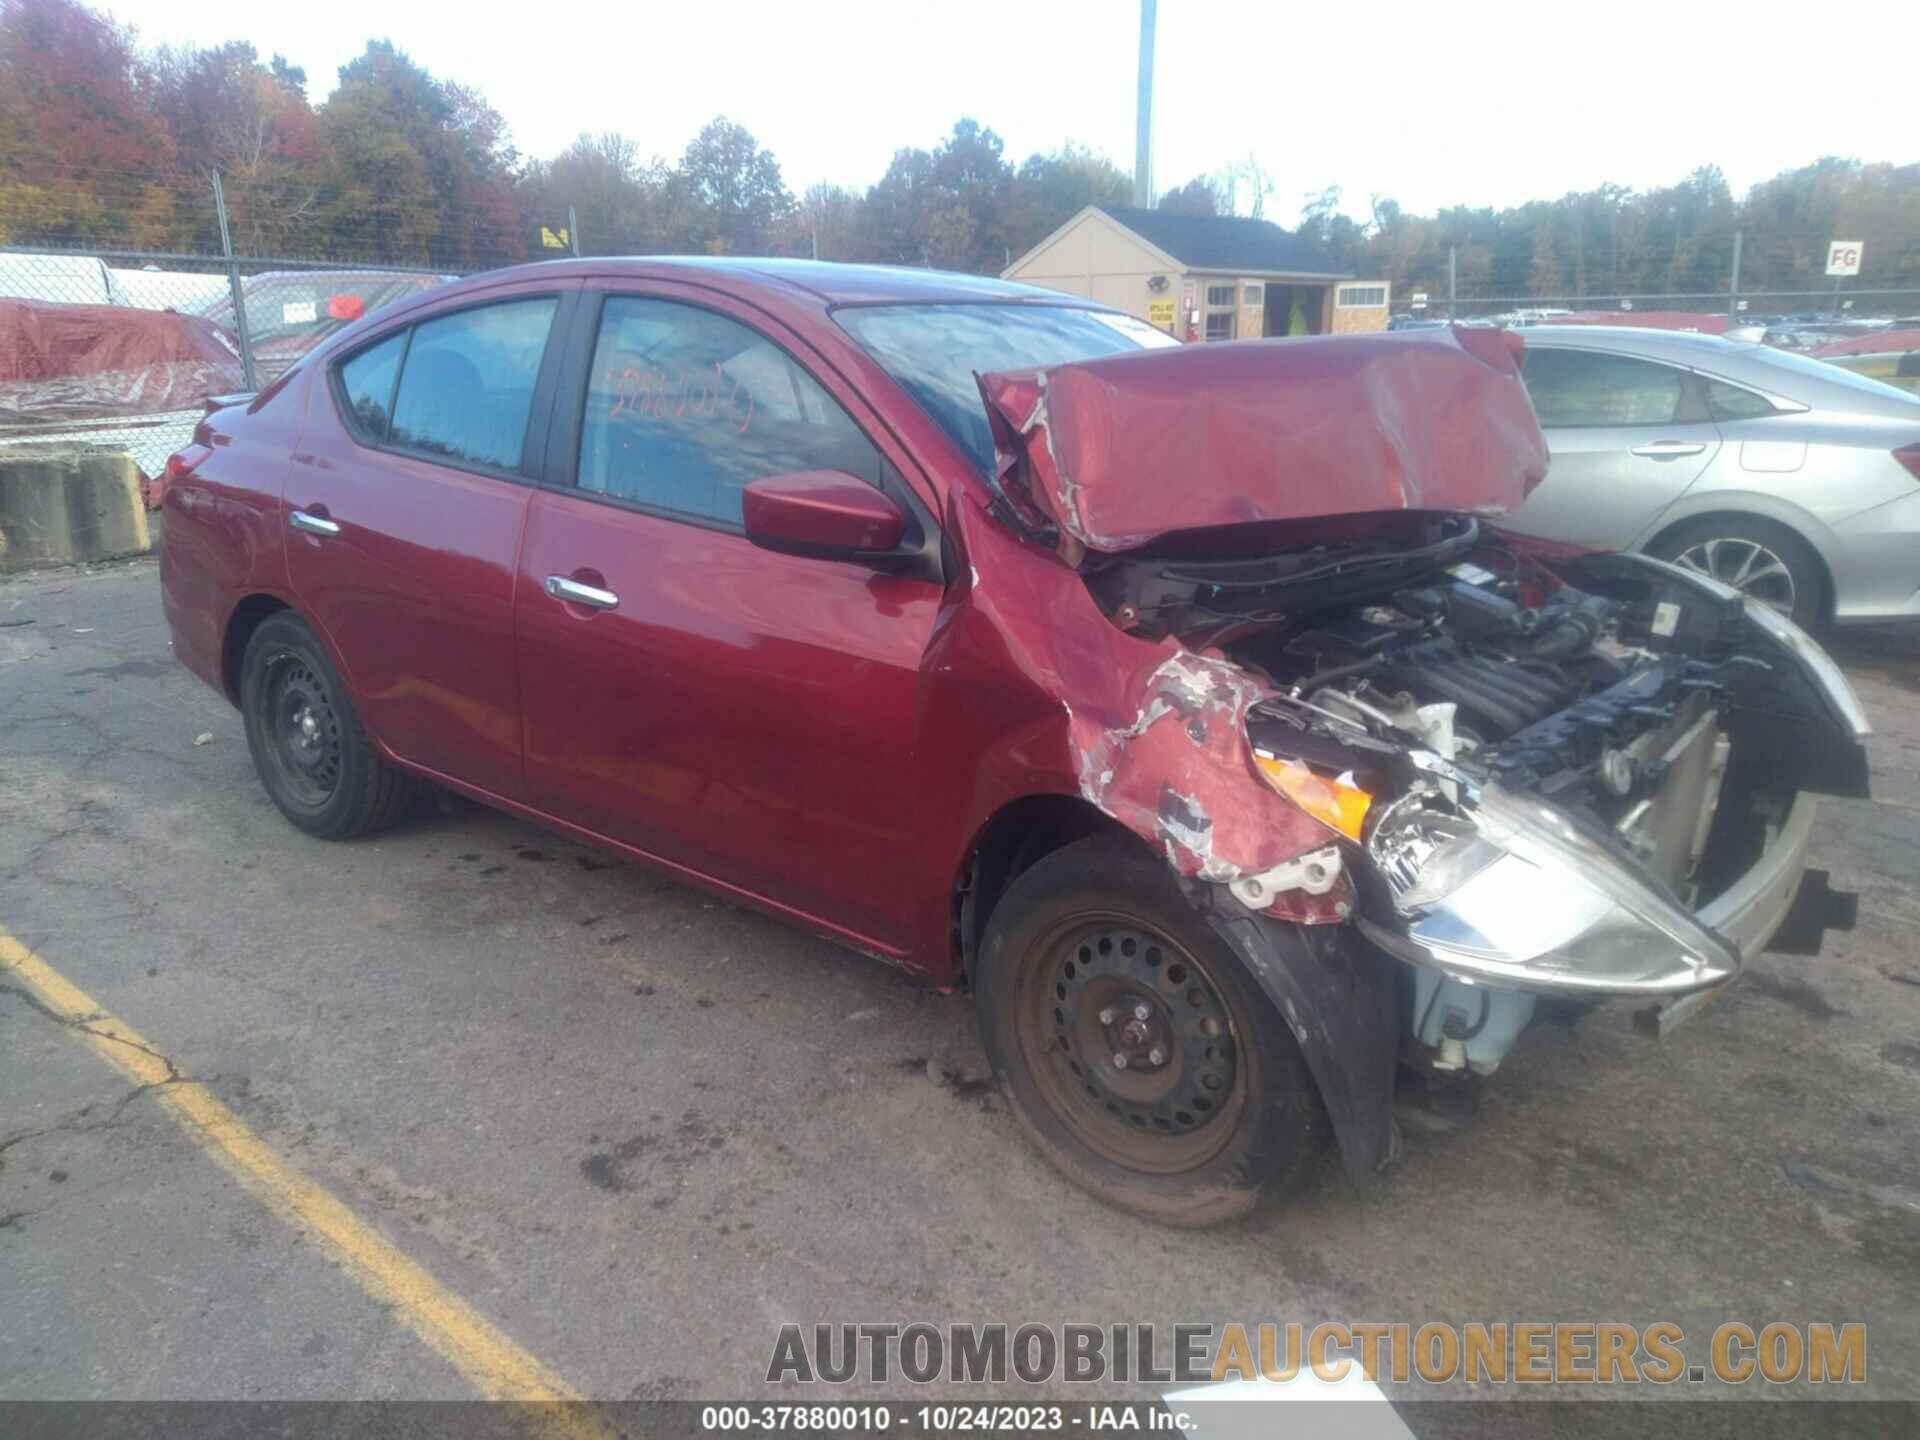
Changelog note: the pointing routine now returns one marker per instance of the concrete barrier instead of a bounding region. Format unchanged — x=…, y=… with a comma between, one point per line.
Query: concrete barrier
x=58, y=506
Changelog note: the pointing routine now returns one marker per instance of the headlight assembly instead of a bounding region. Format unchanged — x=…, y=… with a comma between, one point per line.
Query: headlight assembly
x=1507, y=890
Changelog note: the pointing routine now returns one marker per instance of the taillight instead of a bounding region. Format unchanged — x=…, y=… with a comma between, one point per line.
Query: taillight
x=1909, y=457
x=180, y=465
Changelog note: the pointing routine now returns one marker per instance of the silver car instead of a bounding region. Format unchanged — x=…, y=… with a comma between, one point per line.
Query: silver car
x=1786, y=477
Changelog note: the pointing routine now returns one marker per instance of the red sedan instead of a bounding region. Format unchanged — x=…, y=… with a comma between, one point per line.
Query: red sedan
x=1173, y=701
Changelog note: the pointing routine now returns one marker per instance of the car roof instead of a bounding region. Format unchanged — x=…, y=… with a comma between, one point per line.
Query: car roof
x=828, y=282
x=1684, y=346
x=1746, y=362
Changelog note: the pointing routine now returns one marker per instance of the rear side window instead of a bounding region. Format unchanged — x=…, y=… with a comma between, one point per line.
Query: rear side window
x=1588, y=387
x=1730, y=402
x=467, y=385
x=368, y=380
x=685, y=408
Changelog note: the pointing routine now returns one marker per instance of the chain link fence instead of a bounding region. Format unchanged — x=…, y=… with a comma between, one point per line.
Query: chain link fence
x=1785, y=309
x=123, y=348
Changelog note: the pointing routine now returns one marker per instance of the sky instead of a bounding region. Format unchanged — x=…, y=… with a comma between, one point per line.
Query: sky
x=1504, y=103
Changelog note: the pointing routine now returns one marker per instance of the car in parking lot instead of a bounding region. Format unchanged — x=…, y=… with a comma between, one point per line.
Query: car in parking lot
x=1792, y=480
x=288, y=312
x=1230, y=765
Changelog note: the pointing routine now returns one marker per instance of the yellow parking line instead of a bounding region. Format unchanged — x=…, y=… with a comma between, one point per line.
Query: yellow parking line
x=497, y=1368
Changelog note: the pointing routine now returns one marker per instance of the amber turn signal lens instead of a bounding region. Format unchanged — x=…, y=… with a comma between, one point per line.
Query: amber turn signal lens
x=1343, y=807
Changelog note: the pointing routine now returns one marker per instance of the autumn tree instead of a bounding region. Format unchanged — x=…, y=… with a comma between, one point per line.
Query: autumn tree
x=618, y=196
x=825, y=225
x=83, y=154
x=229, y=113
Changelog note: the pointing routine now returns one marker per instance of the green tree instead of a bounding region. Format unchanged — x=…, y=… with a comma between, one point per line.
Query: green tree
x=1050, y=189
x=418, y=170
x=726, y=195
x=1202, y=195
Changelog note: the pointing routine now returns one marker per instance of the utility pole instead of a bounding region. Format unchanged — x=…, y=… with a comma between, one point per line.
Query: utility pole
x=573, y=232
x=1453, y=287
x=1733, y=288
x=1143, y=123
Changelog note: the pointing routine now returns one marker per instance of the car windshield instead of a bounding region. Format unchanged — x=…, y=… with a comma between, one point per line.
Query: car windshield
x=1806, y=367
x=936, y=350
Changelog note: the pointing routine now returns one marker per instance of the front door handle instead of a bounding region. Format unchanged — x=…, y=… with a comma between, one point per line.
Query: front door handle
x=313, y=524
x=561, y=588
x=1669, y=449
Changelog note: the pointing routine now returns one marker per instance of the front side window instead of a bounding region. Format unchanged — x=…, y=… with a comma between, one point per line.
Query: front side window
x=686, y=408
x=467, y=385
x=1588, y=387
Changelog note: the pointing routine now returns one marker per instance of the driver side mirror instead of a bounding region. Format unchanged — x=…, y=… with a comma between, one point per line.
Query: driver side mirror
x=825, y=514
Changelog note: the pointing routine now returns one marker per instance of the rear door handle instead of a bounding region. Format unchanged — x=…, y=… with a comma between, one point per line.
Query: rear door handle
x=313, y=524
x=561, y=588
x=1669, y=449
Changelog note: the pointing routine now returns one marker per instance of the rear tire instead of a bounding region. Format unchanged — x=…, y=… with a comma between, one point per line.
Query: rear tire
x=1094, y=954
x=1757, y=557
x=317, y=762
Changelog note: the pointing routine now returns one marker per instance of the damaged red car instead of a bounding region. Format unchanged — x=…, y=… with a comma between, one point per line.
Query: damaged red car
x=1185, y=705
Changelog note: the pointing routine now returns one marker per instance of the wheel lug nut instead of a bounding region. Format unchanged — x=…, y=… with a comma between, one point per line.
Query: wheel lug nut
x=1156, y=1055
x=1142, y=1012
x=1119, y=1061
x=1109, y=1015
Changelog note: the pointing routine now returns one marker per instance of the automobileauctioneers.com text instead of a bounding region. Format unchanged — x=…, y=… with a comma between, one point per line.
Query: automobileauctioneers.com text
x=1580, y=1352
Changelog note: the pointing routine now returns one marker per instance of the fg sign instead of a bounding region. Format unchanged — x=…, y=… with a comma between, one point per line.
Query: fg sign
x=1843, y=257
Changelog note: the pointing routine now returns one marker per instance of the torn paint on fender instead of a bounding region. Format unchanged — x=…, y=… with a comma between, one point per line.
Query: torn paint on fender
x=1181, y=776
x=1121, y=450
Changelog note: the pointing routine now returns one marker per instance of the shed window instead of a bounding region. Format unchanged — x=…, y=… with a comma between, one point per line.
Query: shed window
x=1353, y=297
x=1220, y=295
x=1220, y=325
x=1253, y=293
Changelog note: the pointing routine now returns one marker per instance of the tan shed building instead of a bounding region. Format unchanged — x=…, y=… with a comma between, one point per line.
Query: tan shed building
x=1203, y=277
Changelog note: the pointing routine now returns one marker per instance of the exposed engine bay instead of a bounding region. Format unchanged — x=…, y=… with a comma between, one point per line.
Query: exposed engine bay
x=1541, y=777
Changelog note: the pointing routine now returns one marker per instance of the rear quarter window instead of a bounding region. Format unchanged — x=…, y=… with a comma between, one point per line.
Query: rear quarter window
x=367, y=379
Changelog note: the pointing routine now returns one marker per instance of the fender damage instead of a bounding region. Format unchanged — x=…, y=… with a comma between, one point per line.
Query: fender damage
x=1231, y=510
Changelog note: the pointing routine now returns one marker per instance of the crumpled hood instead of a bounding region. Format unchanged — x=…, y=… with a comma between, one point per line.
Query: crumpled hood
x=1120, y=450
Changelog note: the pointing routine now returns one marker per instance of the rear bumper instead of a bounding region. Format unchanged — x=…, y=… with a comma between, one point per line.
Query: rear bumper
x=1875, y=559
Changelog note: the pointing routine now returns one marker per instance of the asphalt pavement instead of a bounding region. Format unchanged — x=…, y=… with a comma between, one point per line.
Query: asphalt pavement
x=638, y=1129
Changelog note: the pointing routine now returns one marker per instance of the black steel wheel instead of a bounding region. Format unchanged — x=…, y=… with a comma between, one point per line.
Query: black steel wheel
x=316, y=761
x=1130, y=1041
x=303, y=729
x=1133, y=1045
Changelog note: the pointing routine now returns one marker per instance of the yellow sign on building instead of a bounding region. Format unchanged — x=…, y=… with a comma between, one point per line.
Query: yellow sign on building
x=1161, y=313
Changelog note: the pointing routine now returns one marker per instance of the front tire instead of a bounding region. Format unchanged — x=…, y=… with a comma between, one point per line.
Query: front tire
x=318, y=764
x=1134, y=1048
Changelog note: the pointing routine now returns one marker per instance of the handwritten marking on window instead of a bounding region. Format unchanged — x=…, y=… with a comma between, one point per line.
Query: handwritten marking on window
x=648, y=394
